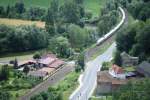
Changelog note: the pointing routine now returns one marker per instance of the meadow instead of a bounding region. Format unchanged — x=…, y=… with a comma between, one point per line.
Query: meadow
x=92, y=5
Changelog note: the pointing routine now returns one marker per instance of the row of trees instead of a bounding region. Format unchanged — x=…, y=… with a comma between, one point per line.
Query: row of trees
x=108, y=17
x=140, y=9
x=19, y=11
x=134, y=39
x=4, y=72
x=22, y=38
x=75, y=39
x=59, y=16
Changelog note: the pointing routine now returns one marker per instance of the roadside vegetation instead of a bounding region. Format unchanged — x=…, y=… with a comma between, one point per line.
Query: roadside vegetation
x=60, y=91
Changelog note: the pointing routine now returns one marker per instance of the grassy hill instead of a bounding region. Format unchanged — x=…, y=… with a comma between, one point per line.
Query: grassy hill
x=93, y=5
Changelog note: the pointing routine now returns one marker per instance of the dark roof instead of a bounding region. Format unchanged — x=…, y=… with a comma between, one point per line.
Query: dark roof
x=145, y=66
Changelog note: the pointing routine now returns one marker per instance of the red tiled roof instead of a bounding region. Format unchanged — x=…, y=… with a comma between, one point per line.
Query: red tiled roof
x=56, y=64
x=47, y=60
x=117, y=69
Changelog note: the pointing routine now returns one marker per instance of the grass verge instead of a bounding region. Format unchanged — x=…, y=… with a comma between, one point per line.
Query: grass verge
x=69, y=84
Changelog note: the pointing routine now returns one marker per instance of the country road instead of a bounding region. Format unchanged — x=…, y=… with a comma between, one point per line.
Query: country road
x=88, y=79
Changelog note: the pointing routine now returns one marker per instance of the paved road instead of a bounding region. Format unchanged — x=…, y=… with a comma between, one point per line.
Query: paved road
x=49, y=82
x=88, y=79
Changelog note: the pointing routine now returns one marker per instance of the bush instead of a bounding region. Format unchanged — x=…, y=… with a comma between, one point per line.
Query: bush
x=105, y=66
x=88, y=14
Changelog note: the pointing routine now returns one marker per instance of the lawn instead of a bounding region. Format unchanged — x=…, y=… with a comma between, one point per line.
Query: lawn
x=129, y=69
x=17, y=22
x=20, y=56
x=94, y=6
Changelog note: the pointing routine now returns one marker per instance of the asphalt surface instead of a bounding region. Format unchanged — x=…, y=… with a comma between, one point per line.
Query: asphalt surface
x=88, y=79
x=49, y=82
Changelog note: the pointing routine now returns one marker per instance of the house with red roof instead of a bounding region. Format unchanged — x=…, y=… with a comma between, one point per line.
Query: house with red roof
x=117, y=72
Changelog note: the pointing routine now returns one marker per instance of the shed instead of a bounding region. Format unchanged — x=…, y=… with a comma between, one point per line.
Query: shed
x=144, y=69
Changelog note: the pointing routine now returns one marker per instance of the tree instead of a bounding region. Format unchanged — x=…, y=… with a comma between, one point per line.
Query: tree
x=15, y=63
x=117, y=58
x=70, y=12
x=5, y=95
x=22, y=38
x=61, y=46
x=78, y=37
x=35, y=13
x=80, y=60
x=79, y=1
x=36, y=56
x=52, y=17
x=4, y=72
x=2, y=11
x=26, y=69
x=19, y=6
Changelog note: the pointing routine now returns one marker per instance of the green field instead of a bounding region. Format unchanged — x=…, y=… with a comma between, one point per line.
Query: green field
x=92, y=5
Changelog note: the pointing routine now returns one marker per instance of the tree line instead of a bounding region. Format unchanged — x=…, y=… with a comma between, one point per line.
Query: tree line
x=108, y=17
x=139, y=9
x=22, y=38
x=133, y=39
x=19, y=11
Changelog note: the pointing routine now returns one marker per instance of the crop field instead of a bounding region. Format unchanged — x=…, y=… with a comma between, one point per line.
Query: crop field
x=17, y=22
x=92, y=5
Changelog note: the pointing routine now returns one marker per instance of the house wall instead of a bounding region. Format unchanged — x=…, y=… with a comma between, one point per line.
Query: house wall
x=103, y=88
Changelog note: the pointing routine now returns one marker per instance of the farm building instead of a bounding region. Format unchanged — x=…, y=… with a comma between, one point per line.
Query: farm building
x=42, y=73
x=106, y=83
x=49, y=60
x=144, y=69
x=128, y=60
x=117, y=72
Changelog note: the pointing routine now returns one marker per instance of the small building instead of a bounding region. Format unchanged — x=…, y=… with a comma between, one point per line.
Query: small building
x=38, y=74
x=128, y=60
x=144, y=69
x=117, y=72
x=56, y=64
x=49, y=60
x=42, y=73
x=106, y=83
